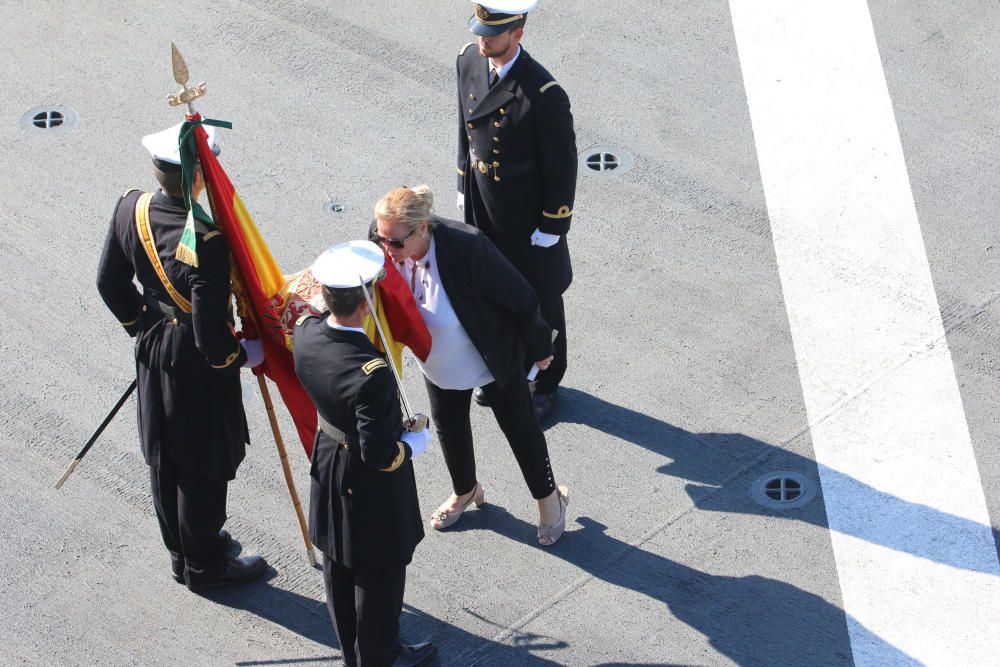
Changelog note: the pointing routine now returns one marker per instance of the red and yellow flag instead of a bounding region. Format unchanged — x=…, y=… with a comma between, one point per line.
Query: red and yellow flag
x=266, y=294
x=259, y=278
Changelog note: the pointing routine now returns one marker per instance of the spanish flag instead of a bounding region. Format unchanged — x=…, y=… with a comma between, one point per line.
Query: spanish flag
x=264, y=290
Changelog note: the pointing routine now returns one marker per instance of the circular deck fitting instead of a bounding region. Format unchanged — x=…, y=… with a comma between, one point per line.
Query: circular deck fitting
x=335, y=208
x=605, y=161
x=50, y=119
x=782, y=490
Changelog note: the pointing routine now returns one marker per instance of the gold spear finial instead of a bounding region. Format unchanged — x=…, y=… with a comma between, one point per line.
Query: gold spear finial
x=185, y=95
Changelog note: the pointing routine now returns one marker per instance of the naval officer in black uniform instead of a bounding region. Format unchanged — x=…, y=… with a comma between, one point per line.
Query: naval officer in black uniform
x=517, y=165
x=363, y=511
x=191, y=420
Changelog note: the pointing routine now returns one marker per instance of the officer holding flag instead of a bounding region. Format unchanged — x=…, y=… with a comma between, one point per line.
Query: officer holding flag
x=191, y=421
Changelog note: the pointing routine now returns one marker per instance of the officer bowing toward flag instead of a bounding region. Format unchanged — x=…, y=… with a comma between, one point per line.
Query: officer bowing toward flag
x=363, y=511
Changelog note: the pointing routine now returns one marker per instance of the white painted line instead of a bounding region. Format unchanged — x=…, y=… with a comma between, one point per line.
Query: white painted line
x=915, y=555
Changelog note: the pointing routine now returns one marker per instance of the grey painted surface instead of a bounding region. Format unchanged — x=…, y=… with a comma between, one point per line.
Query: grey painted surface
x=682, y=386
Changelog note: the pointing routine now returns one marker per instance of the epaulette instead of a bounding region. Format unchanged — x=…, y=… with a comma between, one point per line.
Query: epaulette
x=211, y=235
x=129, y=191
x=465, y=48
x=373, y=365
x=303, y=318
x=550, y=84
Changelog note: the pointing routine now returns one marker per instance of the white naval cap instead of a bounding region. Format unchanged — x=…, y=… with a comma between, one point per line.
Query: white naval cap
x=164, y=146
x=507, y=6
x=494, y=17
x=347, y=264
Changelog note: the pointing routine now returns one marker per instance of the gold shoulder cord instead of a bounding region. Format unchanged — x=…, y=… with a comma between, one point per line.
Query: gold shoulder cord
x=146, y=236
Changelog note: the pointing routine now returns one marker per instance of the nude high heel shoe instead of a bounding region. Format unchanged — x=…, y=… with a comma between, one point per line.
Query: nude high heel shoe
x=549, y=534
x=444, y=517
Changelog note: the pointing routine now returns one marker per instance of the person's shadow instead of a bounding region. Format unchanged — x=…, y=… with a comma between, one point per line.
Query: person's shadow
x=752, y=620
x=309, y=618
x=711, y=459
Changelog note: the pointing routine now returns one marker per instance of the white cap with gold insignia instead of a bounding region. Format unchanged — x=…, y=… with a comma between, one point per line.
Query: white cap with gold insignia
x=507, y=6
x=494, y=17
x=346, y=264
x=165, y=147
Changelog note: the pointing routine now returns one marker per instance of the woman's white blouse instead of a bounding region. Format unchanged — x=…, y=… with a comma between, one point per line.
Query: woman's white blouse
x=454, y=362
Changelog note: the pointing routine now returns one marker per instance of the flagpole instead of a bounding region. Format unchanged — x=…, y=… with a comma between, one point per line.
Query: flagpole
x=283, y=455
x=247, y=321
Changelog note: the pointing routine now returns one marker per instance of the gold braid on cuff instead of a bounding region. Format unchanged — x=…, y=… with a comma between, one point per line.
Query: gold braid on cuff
x=398, y=461
x=230, y=359
x=563, y=212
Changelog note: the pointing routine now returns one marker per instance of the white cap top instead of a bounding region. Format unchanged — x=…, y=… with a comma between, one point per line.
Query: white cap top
x=508, y=6
x=349, y=263
x=164, y=145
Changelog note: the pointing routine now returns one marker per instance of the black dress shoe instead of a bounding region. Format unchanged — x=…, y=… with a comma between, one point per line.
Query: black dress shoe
x=415, y=655
x=232, y=549
x=479, y=396
x=236, y=571
x=177, y=568
x=543, y=405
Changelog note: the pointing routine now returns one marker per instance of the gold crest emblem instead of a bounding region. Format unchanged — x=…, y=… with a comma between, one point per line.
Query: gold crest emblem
x=481, y=13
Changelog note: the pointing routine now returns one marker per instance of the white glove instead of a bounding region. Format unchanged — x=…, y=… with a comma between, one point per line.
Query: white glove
x=460, y=202
x=255, y=352
x=417, y=441
x=544, y=240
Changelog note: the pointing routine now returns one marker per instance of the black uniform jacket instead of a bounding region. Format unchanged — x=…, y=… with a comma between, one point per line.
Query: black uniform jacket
x=493, y=302
x=517, y=163
x=190, y=401
x=363, y=507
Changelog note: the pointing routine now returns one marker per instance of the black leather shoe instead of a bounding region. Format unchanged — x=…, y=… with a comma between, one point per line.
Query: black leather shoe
x=177, y=568
x=236, y=571
x=232, y=549
x=479, y=396
x=415, y=655
x=543, y=405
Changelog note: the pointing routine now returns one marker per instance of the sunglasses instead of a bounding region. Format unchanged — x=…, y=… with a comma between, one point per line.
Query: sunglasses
x=395, y=243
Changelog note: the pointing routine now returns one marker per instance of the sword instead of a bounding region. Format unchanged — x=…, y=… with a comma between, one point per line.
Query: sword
x=97, y=434
x=385, y=346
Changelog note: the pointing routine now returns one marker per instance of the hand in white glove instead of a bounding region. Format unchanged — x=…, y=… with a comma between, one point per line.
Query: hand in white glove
x=460, y=202
x=255, y=352
x=417, y=441
x=544, y=240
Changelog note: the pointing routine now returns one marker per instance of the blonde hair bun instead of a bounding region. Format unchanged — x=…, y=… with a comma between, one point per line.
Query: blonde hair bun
x=408, y=206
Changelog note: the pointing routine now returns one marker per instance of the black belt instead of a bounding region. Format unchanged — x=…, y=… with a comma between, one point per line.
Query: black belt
x=502, y=168
x=338, y=436
x=170, y=312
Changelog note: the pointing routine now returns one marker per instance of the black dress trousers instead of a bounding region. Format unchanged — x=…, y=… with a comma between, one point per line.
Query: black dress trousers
x=191, y=510
x=365, y=604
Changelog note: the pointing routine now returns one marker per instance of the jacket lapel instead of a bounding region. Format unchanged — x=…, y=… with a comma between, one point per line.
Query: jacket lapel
x=443, y=253
x=503, y=92
x=476, y=82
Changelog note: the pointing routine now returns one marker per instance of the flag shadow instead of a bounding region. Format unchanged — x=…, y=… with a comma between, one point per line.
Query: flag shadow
x=712, y=459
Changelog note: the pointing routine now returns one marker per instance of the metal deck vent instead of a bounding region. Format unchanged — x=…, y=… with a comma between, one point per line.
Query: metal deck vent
x=782, y=490
x=49, y=119
x=335, y=207
x=605, y=161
